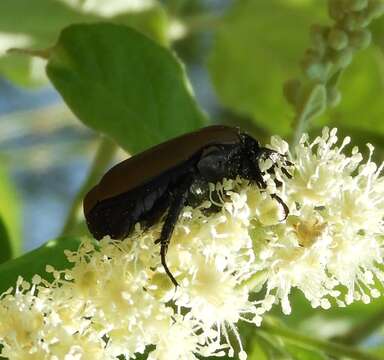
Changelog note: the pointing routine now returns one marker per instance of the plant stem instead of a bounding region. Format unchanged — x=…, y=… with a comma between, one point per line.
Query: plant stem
x=299, y=129
x=328, y=347
x=362, y=330
x=105, y=153
x=201, y=22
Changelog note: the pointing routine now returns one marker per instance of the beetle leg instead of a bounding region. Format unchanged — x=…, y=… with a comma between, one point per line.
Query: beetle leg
x=178, y=199
x=153, y=216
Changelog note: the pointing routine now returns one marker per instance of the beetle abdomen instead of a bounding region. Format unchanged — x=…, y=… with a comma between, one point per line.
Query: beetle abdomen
x=111, y=217
x=116, y=216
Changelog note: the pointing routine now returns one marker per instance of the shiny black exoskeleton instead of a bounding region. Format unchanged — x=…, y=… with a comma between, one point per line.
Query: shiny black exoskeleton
x=143, y=187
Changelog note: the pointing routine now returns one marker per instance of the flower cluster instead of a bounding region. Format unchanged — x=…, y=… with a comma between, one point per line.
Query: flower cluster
x=333, y=47
x=117, y=300
x=334, y=234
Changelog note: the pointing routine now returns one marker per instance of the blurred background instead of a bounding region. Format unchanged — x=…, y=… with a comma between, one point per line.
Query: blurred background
x=237, y=54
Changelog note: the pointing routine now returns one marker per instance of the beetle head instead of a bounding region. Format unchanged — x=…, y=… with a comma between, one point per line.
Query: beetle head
x=264, y=159
x=250, y=146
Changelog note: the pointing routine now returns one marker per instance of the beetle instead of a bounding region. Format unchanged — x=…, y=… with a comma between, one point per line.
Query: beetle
x=161, y=179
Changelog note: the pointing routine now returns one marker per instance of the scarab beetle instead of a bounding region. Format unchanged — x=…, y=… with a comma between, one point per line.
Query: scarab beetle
x=160, y=180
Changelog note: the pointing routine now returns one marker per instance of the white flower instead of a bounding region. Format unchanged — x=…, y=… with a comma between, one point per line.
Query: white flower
x=117, y=300
x=181, y=337
x=334, y=233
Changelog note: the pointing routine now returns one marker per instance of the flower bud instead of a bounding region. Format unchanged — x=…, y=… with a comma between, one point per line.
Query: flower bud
x=360, y=39
x=375, y=9
x=312, y=65
x=360, y=20
x=336, y=9
x=349, y=23
x=357, y=5
x=315, y=70
x=318, y=36
x=337, y=39
x=342, y=58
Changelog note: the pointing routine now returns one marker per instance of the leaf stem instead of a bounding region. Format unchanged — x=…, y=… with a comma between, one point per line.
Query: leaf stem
x=105, y=153
x=328, y=347
x=42, y=53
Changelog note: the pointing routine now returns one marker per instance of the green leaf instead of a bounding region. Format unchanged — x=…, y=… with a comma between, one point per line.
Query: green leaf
x=10, y=211
x=35, y=262
x=5, y=244
x=41, y=31
x=32, y=19
x=36, y=28
x=120, y=83
x=256, y=49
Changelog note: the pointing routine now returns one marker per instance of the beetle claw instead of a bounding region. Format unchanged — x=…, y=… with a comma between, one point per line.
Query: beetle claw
x=163, y=252
x=283, y=204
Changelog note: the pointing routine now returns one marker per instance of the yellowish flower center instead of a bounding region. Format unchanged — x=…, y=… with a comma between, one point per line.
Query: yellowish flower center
x=308, y=232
